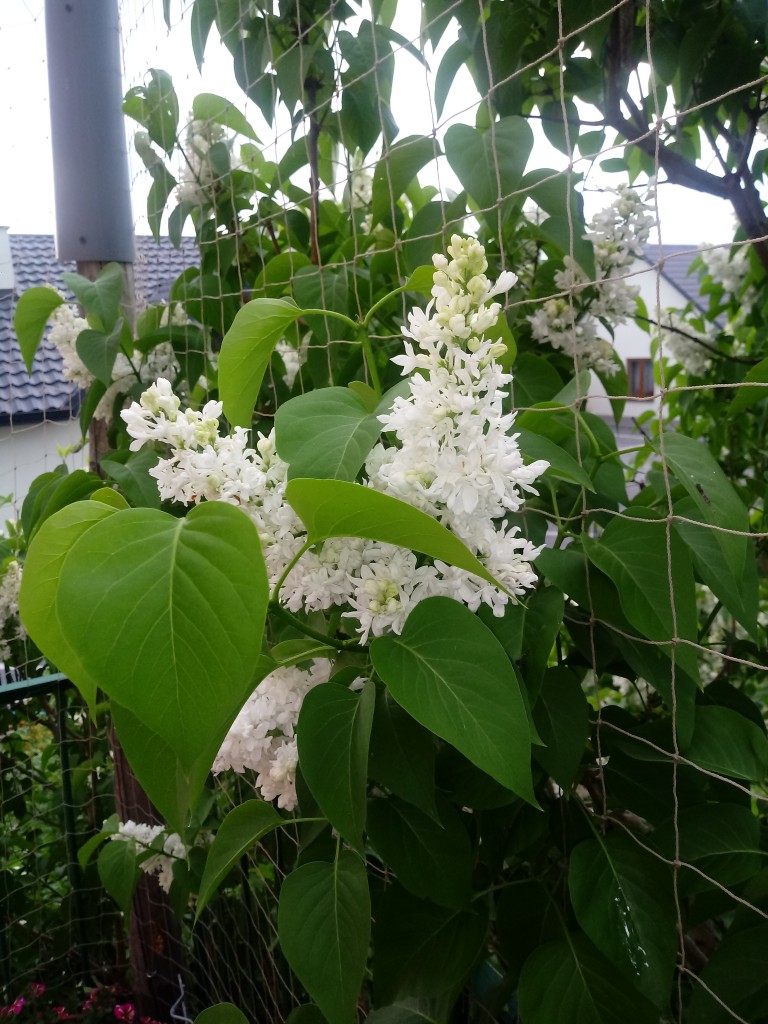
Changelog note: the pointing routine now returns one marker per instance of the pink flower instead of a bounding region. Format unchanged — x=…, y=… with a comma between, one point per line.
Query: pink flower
x=126, y=1012
x=18, y=1005
x=36, y=989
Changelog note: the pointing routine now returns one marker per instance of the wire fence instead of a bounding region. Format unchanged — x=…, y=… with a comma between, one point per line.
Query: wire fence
x=56, y=922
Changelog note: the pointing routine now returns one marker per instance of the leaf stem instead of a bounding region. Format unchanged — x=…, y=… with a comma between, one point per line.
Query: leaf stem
x=331, y=312
x=622, y=451
x=381, y=302
x=341, y=645
x=370, y=362
x=286, y=572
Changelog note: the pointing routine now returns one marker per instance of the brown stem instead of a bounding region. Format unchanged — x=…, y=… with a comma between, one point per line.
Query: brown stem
x=704, y=344
x=273, y=237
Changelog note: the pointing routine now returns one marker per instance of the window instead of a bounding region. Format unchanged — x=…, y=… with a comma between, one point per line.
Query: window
x=640, y=378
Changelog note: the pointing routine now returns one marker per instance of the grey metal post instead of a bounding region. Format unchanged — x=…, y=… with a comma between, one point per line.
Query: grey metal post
x=94, y=221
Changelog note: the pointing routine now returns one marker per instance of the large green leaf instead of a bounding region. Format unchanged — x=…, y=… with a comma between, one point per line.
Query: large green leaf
x=490, y=165
x=240, y=831
x=131, y=471
x=157, y=199
x=336, y=508
x=422, y=950
x=432, y=859
x=171, y=786
x=555, y=193
x=744, y=396
x=396, y=170
x=570, y=571
x=570, y=981
x=402, y=754
x=221, y=1013
x=738, y=593
x=102, y=296
x=324, y=923
x=245, y=353
x=156, y=107
x=208, y=107
x=326, y=288
x=633, y=553
x=561, y=716
x=735, y=979
x=57, y=491
x=718, y=503
x=32, y=312
x=326, y=433
x=119, y=872
x=562, y=466
x=201, y=20
x=623, y=899
x=43, y=568
x=543, y=619
x=725, y=741
x=722, y=840
x=451, y=674
x=167, y=614
x=98, y=351
x=333, y=731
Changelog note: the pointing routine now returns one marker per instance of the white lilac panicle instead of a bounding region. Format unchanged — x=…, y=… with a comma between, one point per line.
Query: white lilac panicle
x=263, y=739
x=11, y=627
x=454, y=456
x=197, y=176
x=682, y=344
x=164, y=856
x=728, y=267
x=570, y=322
x=66, y=326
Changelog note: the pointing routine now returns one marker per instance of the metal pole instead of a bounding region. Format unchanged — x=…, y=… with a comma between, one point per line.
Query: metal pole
x=92, y=185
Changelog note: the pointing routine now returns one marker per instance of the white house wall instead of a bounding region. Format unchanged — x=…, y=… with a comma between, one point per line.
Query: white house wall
x=27, y=450
x=631, y=342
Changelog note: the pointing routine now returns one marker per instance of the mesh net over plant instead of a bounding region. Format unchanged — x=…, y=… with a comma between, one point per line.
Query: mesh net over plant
x=499, y=751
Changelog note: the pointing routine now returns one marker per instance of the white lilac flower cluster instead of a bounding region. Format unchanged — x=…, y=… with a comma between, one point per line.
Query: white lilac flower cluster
x=453, y=456
x=293, y=359
x=684, y=344
x=262, y=738
x=197, y=175
x=569, y=322
x=10, y=623
x=66, y=326
x=728, y=267
x=163, y=855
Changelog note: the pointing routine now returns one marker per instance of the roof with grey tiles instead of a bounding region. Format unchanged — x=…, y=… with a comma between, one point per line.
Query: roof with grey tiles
x=46, y=394
x=674, y=262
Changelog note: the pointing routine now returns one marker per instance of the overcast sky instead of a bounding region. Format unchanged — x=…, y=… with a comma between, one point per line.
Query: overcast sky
x=26, y=183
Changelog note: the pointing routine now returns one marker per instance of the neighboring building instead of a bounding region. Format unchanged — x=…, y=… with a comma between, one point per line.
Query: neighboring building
x=666, y=281
x=39, y=413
